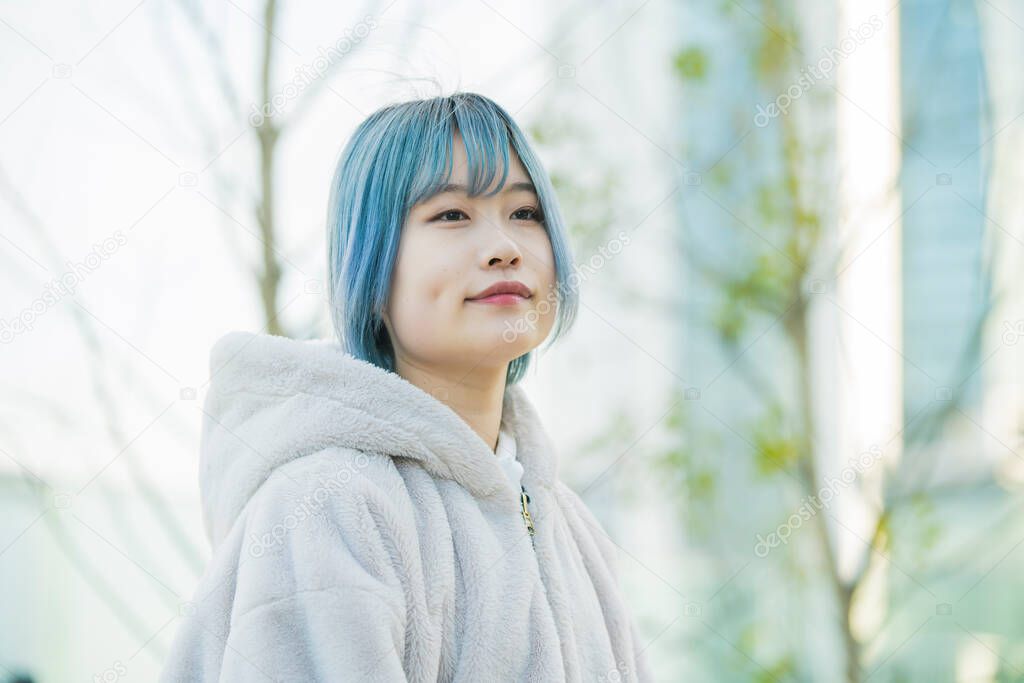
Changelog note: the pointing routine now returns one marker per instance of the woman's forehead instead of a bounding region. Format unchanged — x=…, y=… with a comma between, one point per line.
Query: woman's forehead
x=459, y=178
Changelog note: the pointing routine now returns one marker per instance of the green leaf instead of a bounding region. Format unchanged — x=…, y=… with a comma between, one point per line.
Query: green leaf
x=777, y=448
x=691, y=64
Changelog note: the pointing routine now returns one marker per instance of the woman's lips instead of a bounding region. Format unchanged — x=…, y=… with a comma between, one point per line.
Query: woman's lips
x=500, y=299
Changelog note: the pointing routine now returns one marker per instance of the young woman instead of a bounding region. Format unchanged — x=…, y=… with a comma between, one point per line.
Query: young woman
x=387, y=507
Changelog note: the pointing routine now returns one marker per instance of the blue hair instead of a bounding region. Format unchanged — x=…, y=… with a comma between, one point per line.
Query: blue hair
x=400, y=155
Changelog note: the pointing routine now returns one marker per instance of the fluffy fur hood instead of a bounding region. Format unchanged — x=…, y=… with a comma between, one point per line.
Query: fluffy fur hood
x=273, y=400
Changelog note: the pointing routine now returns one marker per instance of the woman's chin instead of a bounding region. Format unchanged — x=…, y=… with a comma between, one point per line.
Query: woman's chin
x=497, y=348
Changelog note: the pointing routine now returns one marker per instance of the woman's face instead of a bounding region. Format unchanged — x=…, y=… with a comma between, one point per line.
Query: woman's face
x=452, y=248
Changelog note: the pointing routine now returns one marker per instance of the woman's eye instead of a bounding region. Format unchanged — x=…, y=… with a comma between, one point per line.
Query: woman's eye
x=450, y=215
x=531, y=214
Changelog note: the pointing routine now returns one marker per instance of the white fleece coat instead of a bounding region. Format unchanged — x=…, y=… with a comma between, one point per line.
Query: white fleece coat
x=362, y=531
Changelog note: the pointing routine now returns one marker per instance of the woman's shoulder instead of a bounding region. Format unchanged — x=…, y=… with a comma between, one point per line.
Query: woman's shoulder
x=320, y=525
x=333, y=483
x=338, y=504
x=583, y=521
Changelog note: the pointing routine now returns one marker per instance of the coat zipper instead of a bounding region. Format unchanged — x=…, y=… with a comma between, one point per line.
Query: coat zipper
x=524, y=498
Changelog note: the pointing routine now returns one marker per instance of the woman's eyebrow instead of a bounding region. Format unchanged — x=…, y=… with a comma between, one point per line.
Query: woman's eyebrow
x=513, y=187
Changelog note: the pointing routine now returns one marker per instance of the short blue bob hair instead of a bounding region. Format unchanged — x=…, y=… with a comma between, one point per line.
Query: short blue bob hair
x=401, y=155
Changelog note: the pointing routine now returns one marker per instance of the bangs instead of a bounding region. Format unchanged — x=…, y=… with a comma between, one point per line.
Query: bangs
x=485, y=135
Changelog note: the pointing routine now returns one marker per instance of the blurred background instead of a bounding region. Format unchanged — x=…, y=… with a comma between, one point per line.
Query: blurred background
x=793, y=395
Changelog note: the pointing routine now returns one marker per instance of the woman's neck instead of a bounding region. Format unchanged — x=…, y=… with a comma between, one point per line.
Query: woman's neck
x=477, y=395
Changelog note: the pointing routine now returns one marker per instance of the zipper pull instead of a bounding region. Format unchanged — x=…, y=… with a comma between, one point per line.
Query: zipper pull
x=524, y=499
